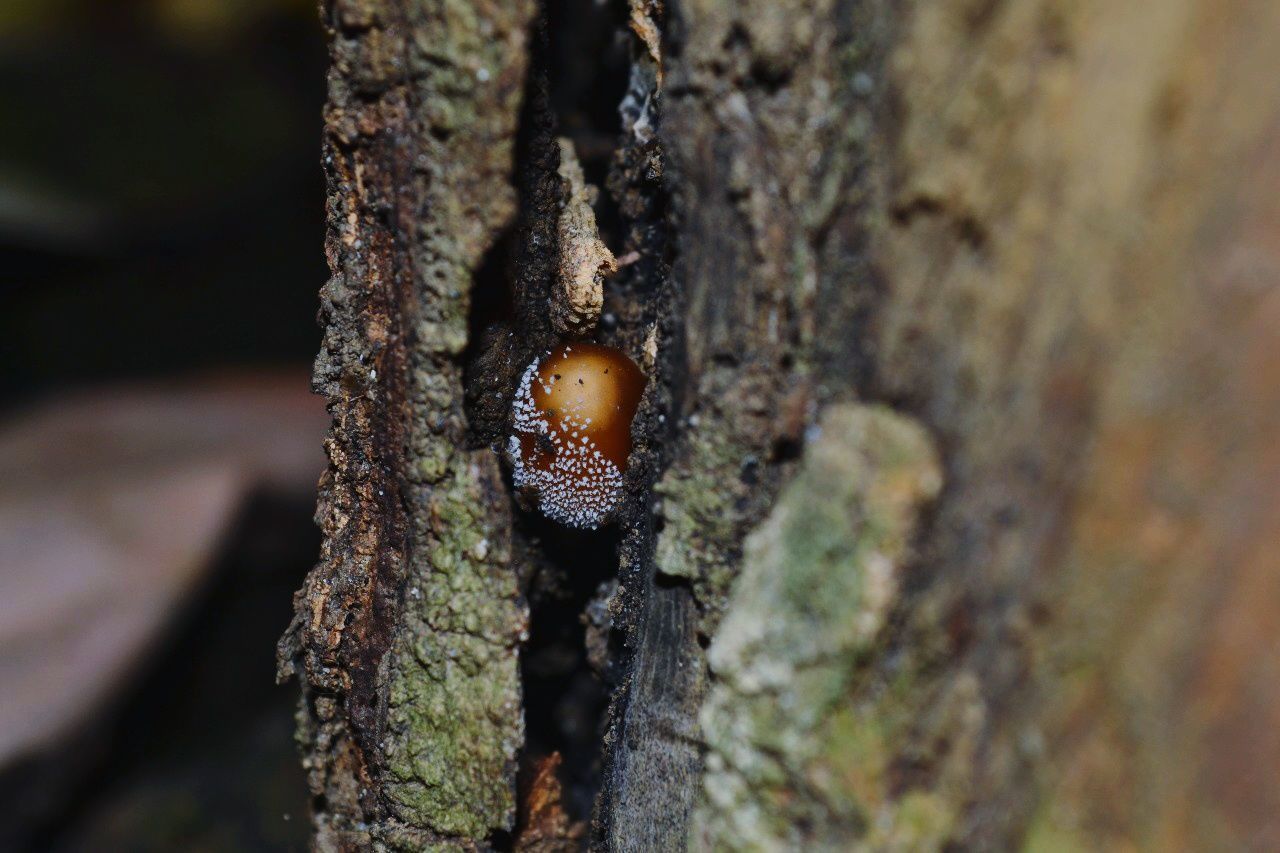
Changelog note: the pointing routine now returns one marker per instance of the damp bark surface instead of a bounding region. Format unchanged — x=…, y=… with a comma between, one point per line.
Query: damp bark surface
x=953, y=501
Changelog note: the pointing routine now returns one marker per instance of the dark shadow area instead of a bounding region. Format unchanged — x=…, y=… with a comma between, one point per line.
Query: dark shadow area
x=198, y=753
x=161, y=222
x=577, y=80
x=589, y=60
x=564, y=699
x=161, y=208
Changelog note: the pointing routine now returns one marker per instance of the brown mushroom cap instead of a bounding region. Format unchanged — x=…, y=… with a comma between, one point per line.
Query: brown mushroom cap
x=573, y=414
x=592, y=390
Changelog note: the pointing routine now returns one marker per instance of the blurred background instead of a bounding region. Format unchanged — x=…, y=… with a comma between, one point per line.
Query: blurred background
x=160, y=252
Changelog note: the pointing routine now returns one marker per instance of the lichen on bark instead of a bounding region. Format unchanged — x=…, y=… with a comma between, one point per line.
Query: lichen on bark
x=407, y=630
x=767, y=128
x=792, y=763
x=761, y=133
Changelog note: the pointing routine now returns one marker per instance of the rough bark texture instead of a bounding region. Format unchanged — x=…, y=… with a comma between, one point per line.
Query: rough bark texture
x=406, y=632
x=1073, y=232
x=955, y=495
x=1078, y=244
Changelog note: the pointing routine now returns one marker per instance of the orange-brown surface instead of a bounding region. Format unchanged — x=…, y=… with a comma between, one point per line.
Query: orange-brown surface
x=596, y=385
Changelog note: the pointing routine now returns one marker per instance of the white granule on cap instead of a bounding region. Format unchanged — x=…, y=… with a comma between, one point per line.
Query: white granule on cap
x=581, y=486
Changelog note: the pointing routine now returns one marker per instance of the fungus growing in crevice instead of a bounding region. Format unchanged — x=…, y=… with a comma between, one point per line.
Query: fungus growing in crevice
x=572, y=431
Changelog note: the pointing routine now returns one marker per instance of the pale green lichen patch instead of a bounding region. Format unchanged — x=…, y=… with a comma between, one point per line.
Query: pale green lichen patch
x=453, y=715
x=794, y=762
x=700, y=494
x=454, y=722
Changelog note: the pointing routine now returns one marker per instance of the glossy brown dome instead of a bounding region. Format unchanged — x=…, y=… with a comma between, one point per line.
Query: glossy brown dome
x=572, y=435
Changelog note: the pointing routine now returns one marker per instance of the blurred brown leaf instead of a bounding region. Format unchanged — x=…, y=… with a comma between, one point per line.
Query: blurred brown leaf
x=112, y=505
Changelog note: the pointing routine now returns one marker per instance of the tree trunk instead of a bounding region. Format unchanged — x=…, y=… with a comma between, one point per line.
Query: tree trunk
x=954, y=499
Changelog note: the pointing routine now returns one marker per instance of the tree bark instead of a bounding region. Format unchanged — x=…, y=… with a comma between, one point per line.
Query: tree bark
x=406, y=633
x=954, y=500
